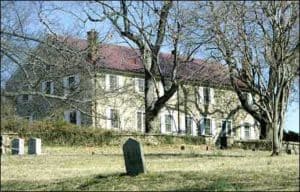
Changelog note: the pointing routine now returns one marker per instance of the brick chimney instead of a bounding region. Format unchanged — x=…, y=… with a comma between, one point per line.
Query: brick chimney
x=92, y=38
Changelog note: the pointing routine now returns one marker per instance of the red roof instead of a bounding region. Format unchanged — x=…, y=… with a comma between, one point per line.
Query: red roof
x=122, y=58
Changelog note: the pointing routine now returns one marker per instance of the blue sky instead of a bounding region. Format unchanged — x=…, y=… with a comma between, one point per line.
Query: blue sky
x=66, y=23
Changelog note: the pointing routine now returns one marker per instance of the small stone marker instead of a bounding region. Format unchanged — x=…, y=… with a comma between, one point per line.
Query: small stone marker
x=34, y=146
x=17, y=146
x=134, y=157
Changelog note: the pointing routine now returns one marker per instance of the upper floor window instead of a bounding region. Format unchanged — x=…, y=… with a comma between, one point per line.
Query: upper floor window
x=71, y=83
x=113, y=82
x=206, y=95
x=48, y=67
x=140, y=84
x=48, y=87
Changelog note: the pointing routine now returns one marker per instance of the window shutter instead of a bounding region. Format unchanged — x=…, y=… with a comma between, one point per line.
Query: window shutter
x=66, y=86
x=213, y=127
x=242, y=130
x=29, y=97
x=43, y=87
x=162, y=123
x=212, y=96
x=121, y=82
x=67, y=116
x=77, y=80
x=108, y=117
x=136, y=84
x=107, y=87
x=201, y=128
x=182, y=122
x=78, y=117
x=200, y=93
x=194, y=128
x=52, y=87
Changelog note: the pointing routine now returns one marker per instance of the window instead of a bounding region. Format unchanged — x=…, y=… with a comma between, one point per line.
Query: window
x=140, y=84
x=73, y=118
x=140, y=116
x=113, y=82
x=25, y=98
x=168, y=122
x=48, y=67
x=247, y=131
x=114, y=118
x=206, y=95
x=207, y=126
x=226, y=128
x=48, y=87
x=71, y=83
x=189, y=124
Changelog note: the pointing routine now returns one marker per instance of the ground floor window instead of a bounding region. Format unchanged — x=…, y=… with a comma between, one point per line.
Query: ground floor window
x=189, y=124
x=114, y=118
x=168, y=123
x=73, y=116
x=247, y=131
x=226, y=128
x=207, y=126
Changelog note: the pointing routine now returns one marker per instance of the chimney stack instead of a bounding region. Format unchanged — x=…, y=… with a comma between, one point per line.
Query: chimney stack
x=92, y=37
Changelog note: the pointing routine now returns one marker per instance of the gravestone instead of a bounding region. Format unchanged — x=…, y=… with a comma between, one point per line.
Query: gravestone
x=17, y=146
x=134, y=157
x=34, y=146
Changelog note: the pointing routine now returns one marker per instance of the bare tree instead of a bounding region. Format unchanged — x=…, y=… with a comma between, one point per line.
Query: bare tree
x=149, y=25
x=259, y=41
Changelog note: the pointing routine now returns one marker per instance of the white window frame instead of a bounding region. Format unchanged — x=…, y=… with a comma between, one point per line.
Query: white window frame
x=186, y=120
x=67, y=85
x=244, y=130
x=67, y=116
x=201, y=92
x=171, y=121
x=137, y=85
x=44, y=87
x=201, y=126
x=143, y=116
x=109, y=118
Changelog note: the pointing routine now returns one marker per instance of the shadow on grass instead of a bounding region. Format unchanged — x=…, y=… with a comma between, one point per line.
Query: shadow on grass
x=189, y=155
x=98, y=179
x=218, y=185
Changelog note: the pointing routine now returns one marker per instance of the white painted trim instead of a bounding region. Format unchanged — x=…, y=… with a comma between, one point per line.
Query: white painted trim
x=78, y=117
x=201, y=96
x=212, y=96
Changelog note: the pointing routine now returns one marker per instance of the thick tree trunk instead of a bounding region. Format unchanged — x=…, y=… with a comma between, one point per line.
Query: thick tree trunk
x=276, y=142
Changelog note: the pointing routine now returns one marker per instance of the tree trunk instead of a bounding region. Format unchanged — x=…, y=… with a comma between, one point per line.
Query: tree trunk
x=149, y=91
x=276, y=141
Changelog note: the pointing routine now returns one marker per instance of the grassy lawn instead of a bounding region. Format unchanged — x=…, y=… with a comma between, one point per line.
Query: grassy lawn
x=169, y=168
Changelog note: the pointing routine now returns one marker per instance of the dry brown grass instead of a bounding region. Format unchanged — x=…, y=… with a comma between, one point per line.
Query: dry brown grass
x=169, y=168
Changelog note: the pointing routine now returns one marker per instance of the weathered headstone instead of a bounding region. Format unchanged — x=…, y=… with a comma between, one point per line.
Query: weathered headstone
x=34, y=146
x=17, y=146
x=4, y=144
x=134, y=157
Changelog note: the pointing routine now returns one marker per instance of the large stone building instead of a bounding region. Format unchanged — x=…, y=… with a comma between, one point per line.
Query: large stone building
x=109, y=92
